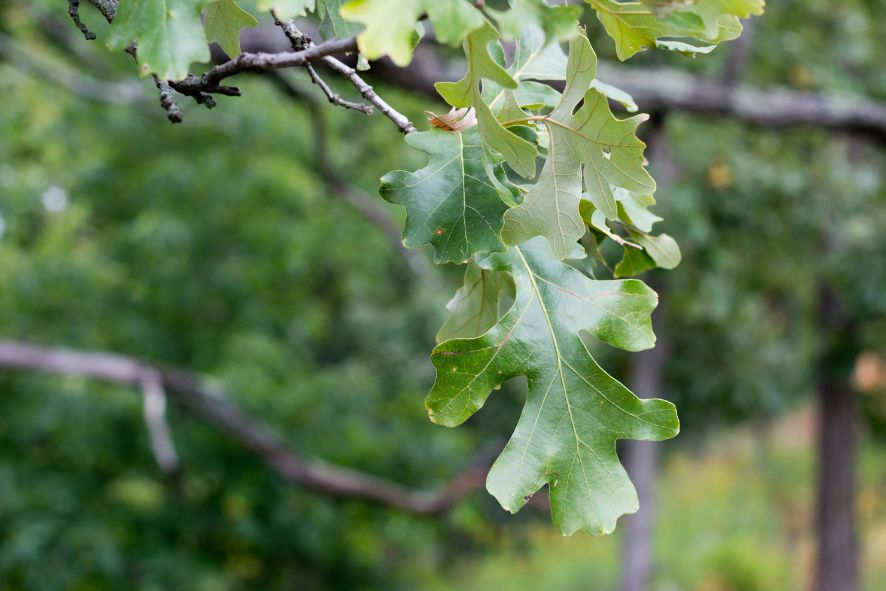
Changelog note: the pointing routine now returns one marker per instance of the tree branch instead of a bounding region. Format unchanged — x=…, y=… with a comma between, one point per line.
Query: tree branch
x=186, y=390
x=297, y=38
x=669, y=89
x=74, y=13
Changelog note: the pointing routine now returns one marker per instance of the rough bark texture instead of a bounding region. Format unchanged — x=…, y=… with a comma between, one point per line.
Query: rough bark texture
x=837, y=565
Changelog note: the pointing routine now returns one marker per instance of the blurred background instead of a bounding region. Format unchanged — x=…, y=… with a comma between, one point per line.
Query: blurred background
x=240, y=249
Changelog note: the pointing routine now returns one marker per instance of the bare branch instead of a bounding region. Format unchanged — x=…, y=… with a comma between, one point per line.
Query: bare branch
x=187, y=391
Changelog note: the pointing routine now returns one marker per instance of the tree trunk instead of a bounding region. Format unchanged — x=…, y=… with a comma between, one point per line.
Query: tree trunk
x=646, y=379
x=837, y=566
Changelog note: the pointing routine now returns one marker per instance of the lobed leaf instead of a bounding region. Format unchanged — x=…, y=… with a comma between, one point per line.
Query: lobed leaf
x=457, y=201
x=590, y=144
x=574, y=410
x=223, y=21
x=169, y=34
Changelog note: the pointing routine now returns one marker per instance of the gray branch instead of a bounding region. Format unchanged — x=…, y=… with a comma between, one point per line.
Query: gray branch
x=193, y=396
x=297, y=38
x=659, y=90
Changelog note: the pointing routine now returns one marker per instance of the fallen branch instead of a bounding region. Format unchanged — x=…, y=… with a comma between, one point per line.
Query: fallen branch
x=187, y=390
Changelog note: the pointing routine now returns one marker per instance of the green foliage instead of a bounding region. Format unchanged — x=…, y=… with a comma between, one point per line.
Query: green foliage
x=592, y=187
x=169, y=35
x=223, y=20
x=574, y=411
x=452, y=203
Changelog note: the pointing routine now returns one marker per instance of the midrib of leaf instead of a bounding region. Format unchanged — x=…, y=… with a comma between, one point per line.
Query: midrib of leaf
x=560, y=362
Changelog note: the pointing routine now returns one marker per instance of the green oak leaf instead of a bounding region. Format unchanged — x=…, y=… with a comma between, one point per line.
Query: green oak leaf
x=636, y=26
x=591, y=140
x=332, y=25
x=518, y=152
x=574, y=410
x=720, y=15
x=633, y=209
x=663, y=249
x=476, y=306
x=223, y=20
x=389, y=25
x=287, y=8
x=535, y=58
x=633, y=262
x=457, y=201
x=558, y=23
x=453, y=19
x=169, y=34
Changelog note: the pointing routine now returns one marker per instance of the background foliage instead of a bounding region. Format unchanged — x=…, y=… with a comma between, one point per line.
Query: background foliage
x=220, y=250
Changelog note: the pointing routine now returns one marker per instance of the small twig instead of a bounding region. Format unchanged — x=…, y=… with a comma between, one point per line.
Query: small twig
x=401, y=121
x=167, y=100
x=159, y=432
x=74, y=12
x=298, y=39
x=334, y=98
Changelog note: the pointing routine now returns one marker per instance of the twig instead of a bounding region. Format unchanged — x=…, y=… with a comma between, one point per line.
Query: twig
x=74, y=13
x=187, y=390
x=333, y=97
x=299, y=39
x=158, y=428
x=167, y=100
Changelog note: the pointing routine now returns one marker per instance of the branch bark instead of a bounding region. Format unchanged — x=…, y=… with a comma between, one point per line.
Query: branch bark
x=663, y=90
x=187, y=390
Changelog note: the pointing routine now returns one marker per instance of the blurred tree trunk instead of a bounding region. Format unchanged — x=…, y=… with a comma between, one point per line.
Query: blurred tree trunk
x=646, y=379
x=837, y=566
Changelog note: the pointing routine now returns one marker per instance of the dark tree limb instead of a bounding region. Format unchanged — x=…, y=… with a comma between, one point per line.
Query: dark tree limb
x=74, y=13
x=188, y=391
x=167, y=100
